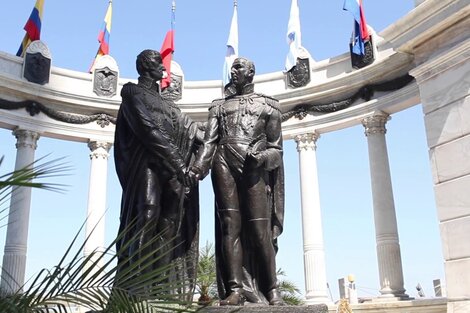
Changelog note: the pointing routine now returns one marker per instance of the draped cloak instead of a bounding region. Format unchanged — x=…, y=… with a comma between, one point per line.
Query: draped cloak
x=152, y=134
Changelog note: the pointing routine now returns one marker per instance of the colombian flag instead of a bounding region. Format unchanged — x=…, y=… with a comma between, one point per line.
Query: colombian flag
x=361, y=33
x=103, y=36
x=32, y=27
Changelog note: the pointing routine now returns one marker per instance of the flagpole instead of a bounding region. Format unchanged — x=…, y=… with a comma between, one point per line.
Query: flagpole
x=173, y=10
x=232, y=46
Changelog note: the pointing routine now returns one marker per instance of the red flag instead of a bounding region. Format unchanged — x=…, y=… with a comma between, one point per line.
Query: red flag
x=166, y=51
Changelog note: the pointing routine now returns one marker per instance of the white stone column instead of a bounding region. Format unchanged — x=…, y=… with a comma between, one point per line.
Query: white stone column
x=386, y=230
x=95, y=224
x=14, y=258
x=314, y=252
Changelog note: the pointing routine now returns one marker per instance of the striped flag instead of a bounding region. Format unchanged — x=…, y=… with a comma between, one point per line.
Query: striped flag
x=32, y=27
x=103, y=36
x=232, y=46
x=167, y=50
x=360, y=33
x=294, y=38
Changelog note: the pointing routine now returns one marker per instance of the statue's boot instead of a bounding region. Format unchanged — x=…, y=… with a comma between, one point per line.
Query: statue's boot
x=235, y=298
x=274, y=297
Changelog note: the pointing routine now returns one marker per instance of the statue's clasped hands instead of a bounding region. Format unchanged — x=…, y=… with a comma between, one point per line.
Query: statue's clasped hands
x=257, y=159
x=192, y=176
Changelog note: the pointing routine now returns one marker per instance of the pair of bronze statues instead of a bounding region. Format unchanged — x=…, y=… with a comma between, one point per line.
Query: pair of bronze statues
x=161, y=154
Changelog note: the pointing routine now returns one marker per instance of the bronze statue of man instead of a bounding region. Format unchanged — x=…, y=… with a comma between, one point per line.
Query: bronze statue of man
x=243, y=149
x=153, y=145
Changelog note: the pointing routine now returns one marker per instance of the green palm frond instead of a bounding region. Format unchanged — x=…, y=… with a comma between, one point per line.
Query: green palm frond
x=32, y=176
x=288, y=287
x=206, y=282
x=82, y=282
x=39, y=169
x=289, y=291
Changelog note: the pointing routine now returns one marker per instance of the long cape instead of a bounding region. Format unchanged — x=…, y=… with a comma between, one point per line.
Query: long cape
x=132, y=158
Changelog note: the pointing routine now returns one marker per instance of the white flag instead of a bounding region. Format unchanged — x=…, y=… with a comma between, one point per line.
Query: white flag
x=293, y=36
x=232, y=47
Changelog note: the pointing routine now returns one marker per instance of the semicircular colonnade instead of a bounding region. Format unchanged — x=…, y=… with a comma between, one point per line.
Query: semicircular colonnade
x=422, y=58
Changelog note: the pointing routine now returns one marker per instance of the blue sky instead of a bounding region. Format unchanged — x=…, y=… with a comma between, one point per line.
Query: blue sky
x=70, y=30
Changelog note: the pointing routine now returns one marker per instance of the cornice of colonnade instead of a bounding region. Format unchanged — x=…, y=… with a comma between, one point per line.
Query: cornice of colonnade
x=331, y=80
x=429, y=19
x=72, y=93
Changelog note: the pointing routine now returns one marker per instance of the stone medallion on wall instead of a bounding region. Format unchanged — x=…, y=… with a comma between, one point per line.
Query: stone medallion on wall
x=174, y=91
x=37, y=63
x=105, y=76
x=299, y=75
x=360, y=61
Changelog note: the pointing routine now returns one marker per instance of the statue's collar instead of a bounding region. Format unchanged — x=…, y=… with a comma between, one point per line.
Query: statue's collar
x=248, y=88
x=149, y=84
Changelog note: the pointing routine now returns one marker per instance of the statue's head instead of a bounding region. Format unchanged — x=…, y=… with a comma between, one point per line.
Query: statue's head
x=149, y=64
x=242, y=71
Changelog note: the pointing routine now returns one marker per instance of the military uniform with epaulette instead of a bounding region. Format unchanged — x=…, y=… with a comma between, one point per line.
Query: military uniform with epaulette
x=243, y=150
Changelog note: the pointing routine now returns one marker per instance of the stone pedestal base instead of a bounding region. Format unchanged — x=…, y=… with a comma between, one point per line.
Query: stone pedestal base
x=317, y=308
x=458, y=306
x=392, y=298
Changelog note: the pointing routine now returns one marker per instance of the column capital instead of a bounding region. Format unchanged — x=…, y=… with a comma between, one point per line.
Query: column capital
x=99, y=149
x=26, y=138
x=307, y=141
x=375, y=124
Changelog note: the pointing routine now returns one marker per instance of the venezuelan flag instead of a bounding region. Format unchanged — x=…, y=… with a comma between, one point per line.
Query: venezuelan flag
x=32, y=27
x=103, y=36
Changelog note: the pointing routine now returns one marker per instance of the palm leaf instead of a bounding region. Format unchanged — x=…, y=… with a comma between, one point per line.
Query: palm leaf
x=206, y=274
x=78, y=280
x=82, y=282
x=289, y=291
x=31, y=176
x=39, y=169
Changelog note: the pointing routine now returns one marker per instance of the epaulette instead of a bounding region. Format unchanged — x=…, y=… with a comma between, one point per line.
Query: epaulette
x=272, y=102
x=128, y=89
x=217, y=102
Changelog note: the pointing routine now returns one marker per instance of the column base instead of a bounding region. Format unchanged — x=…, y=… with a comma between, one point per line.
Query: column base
x=316, y=298
x=13, y=272
x=389, y=294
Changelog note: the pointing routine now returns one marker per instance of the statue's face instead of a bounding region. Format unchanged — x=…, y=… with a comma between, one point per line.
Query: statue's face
x=156, y=68
x=241, y=73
